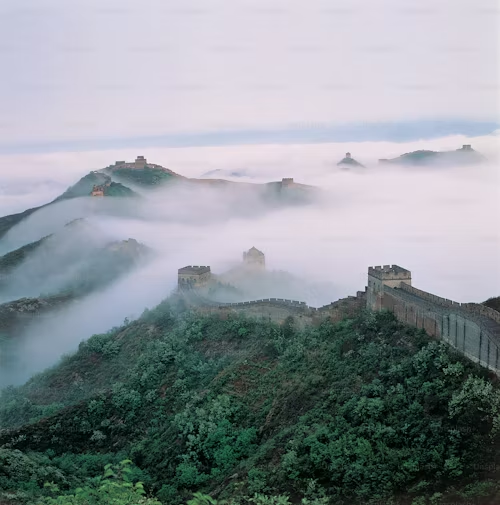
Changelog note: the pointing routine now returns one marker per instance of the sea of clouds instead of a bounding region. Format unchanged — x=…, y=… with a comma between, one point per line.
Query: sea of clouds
x=440, y=223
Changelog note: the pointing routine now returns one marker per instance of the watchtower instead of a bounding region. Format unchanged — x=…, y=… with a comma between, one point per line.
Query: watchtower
x=467, y=147
x=391, y=276
x=348, y=155
x=287, y=181
x=97, y=191
x=193, y=276
x=140, y=162
x=254, y=258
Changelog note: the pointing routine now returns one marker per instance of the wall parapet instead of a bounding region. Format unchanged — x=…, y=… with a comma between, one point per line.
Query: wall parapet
x=473, y=308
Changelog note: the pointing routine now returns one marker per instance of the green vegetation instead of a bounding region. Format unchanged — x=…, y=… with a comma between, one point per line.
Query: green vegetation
x=246, y=411
x=118, y=190
x=100, y=268
x=84, y=186
x=493, y=303
x=145, y=176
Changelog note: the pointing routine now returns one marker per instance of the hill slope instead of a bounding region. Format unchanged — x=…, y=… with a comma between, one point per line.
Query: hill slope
x=463, y=156
x=493, y=303
x=356, y=411
x=82, y=188
x=79, y=277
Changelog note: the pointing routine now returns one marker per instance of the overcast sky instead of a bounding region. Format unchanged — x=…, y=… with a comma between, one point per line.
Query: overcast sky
x=96, y=69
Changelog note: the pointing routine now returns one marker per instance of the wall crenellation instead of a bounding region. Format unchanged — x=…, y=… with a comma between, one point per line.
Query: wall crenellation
x=471, y=328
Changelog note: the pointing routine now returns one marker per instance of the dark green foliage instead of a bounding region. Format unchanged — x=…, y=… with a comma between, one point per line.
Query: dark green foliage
x=84, y=186
x=357, y=411
x=145, y=176
x=118, y=190
x=493, y=303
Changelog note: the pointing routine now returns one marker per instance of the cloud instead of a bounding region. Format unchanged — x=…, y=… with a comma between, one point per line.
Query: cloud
x=442, y=224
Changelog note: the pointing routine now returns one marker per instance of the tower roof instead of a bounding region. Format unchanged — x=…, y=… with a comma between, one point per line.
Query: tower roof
x=194, y=270
x=254, y=252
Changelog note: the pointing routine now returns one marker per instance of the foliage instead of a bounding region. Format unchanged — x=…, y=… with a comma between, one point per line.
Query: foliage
x=245, y=410
x=145, y=177
x=114, y=487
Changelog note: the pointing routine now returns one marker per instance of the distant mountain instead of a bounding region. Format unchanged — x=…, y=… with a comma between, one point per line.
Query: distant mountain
x=13, y=259
x=94, y=179
x=110, y=182
x=459, y=157
x=83, y=188
x=348, y=162
x=94, y=269
x=8, y=222
x=141, y=172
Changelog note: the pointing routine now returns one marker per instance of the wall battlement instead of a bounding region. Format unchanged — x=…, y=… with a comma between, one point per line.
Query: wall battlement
x=471, y=328
x=389, y=272
x=472, y=308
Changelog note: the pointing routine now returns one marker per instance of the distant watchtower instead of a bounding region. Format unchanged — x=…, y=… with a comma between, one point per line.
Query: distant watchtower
x=391, y=276
x=140, y=162
x=193, y=277
x=348, y=155
x=254, y=258
x=287, y=181
x=97, y=191
x=467, y=147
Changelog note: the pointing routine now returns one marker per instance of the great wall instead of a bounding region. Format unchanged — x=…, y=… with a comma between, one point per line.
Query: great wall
x=472, y=329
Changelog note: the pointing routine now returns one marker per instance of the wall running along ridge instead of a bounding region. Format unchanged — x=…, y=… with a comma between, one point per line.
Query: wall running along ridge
x=472, y=329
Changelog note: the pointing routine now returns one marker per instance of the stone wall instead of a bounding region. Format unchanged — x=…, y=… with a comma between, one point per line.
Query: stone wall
x=466, y=327
x=278, y=309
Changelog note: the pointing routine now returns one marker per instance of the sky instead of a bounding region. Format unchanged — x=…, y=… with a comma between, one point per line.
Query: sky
x=91, y=71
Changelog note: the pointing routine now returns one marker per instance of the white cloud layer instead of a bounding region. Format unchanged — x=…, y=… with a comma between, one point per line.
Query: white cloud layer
x=442, y=224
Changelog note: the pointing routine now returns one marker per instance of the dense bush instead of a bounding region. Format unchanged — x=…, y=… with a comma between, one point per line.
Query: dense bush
x=354, y=412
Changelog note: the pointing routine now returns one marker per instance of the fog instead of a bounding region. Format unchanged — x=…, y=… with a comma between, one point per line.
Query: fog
x=440, y=223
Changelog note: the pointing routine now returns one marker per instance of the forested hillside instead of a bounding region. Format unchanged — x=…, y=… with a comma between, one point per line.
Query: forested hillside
x=362, y=411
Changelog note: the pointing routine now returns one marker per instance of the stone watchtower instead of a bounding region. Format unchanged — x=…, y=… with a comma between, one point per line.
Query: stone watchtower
x=193, y=277
x=391, y=276
x=140, y=162
x=254, y=258
x=97, y=191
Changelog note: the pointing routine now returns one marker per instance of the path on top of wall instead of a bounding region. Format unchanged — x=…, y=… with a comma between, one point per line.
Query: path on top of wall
x=470, y=332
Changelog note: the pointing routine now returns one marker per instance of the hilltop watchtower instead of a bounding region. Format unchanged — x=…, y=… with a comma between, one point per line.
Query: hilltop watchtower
x=348, y=155
x=97, y=191
x=140, y=162
x=287, y=181
x=193, y=276
x=391, y=276
x=254, y=258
